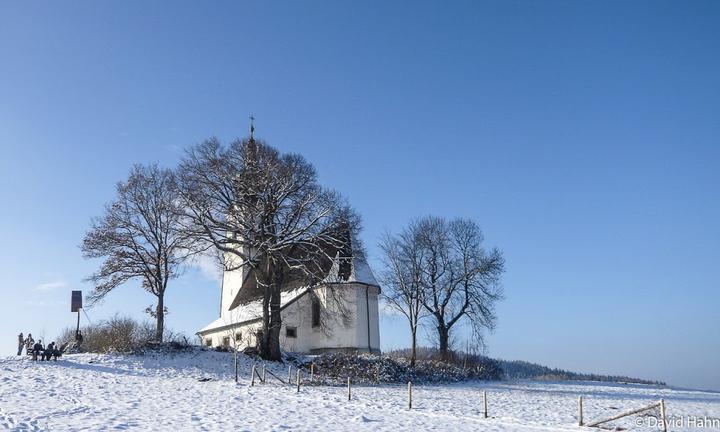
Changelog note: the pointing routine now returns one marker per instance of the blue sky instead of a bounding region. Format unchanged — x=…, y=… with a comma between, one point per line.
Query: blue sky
x=582, y=136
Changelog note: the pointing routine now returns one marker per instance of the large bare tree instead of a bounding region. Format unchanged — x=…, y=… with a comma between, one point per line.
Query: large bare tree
x=402, y=277
x=139, y=237
x=461, y=280
x=265, y=212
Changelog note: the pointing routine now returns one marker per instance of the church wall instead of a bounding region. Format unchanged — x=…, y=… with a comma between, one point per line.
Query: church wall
x=367, y=306
x=374, y=319
x=246, y=332
x=297, y=315
x=332, y=335
x=232, y=281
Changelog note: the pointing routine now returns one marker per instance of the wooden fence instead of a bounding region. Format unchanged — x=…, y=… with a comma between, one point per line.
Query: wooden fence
x=581, y=420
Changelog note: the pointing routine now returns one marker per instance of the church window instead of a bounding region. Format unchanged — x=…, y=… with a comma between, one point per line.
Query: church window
x=226, y=341
x=238, y=337
x=291, y=332
x=208, y=342
x=315, y=312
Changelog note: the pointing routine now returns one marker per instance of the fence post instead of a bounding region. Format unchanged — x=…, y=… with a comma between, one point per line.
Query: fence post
x=409, y=394
x=580, y=411
x=312, y=371
x=662, y=415
x=298, y=380
x=289, y=374
x=485, y=403
x=263, y=374
x=349, y=394
x=252, y=380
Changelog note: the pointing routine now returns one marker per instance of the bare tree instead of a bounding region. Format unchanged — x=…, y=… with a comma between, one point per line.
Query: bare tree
x=139, y=237
x=460, y=279
x=267, y=213
x=402, y=278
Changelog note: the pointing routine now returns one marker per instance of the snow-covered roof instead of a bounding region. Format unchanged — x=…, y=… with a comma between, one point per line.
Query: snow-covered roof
x=361, y=272
x=252, y=311
x=337, y=270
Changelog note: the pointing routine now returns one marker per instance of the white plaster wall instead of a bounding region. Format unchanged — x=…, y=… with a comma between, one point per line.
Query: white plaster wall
x=367, y=306
x=333, y=334
x=248, y=338
x=232, y=281
x=297, y=315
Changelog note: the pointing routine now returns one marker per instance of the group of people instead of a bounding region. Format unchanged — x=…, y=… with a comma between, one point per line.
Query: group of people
x=37, y=349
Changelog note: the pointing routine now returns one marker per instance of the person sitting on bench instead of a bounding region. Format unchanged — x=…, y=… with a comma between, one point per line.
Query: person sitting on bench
x=38, y=350
x=51, y=351
x=48, y=352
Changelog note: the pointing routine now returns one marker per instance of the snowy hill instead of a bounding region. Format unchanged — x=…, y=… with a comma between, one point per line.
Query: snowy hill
x=164, y=392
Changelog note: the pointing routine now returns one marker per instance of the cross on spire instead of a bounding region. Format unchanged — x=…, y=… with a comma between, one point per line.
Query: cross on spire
x=252, y=126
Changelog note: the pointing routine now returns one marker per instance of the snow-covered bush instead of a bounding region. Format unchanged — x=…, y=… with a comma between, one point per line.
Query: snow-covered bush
x=120, y=334
x=335, y=368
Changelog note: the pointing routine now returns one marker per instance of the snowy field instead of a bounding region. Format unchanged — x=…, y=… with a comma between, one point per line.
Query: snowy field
x=154, y=392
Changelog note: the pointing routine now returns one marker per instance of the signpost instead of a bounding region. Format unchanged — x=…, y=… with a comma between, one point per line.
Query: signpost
x=75, y=306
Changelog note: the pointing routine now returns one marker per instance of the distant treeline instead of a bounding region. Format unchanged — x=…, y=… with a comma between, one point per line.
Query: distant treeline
x=516, y=369
x=519, y=369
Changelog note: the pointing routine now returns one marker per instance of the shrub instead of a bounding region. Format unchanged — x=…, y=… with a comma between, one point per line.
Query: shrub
x=119, y=334
x=366, y=368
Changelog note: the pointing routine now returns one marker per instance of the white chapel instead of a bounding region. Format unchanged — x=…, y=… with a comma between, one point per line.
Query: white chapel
x=311, y=323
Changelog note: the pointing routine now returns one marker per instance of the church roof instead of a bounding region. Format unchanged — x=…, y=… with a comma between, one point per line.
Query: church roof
x=252, y=311
x=340, y=270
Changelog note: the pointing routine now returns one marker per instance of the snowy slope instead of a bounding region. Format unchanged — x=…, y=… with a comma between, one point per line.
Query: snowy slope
x=162, y=392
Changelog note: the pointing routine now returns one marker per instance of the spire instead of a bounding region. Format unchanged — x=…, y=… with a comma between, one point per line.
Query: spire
x=252, y=127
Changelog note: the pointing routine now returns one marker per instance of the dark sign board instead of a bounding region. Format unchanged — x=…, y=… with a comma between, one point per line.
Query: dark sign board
x=76, y=302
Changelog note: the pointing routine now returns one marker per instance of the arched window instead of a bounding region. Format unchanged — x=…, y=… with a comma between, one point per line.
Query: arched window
x=315, y=311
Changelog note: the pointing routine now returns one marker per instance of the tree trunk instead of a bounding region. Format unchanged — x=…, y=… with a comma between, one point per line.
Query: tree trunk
x=270, y=342
x=443, y=336
x=160, y=319
x=263, y=343
x=413, y=346
x=267, y=300
x=274, y=352
x=272, y=321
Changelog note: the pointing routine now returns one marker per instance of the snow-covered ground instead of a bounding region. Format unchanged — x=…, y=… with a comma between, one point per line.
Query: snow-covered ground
x=163, y=392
